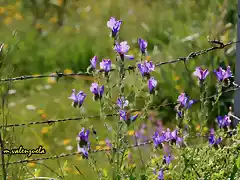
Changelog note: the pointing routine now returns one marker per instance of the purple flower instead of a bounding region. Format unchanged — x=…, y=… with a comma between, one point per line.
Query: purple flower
x=171, y=135
x=158, y=139
x=200, y=73
x=83, y=136
x=142, y=45
x=223, y=121
x=122, y=103
x=126, y=116
x=84, y=150
x=114, y=26
x=212, y=139
x=77, y=99
x=97, y=91
x=152, y=83
x=94, y=62
x=168, y=136
x=222, y=74
x=84, y=144
x=160, y=175
x=122, y=49
x=184, y=101
x=146, y=68
x=167, y=159
x=106, y=65
x=108, y=143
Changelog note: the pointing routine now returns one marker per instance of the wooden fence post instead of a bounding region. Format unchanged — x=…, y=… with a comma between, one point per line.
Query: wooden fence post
x=237, y=71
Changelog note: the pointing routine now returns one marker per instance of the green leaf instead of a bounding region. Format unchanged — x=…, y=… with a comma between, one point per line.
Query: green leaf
x=238, y=162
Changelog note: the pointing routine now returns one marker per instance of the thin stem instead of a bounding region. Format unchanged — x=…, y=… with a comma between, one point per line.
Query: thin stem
x=2, y=155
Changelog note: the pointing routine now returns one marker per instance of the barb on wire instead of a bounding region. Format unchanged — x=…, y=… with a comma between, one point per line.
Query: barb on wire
x=109, y=115
x=190, y=56
x=198, y=53
x=76, y=153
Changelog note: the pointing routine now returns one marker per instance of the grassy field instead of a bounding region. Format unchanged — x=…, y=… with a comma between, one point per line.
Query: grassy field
x=43, y=37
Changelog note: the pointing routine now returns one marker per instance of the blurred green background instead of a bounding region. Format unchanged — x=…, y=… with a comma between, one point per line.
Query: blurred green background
x=45, y=36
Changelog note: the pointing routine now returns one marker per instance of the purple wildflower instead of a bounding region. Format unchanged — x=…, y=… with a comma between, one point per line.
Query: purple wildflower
x=108, y=143
x=122, y=49
x=222, y=74
x=126, y=116
x=122, y=103
x=160, y=175
x=146, y=68
x=97, y=91
x=94, y=62
x=84, y=151
x=83, y=136
x=142, y=45
x=200, y=73
x=212, y=139
x=77, y=99
x=158, y=139
x=114, y=26
x=184, y=101
x=167, y=159
x=84, y=144
x=152, y=83
x=169, y=136
x=106, y=65
x=223, y=121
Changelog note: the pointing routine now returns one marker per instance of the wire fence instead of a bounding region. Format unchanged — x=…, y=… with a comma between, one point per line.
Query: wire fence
x=192, y=55
x=217, y=45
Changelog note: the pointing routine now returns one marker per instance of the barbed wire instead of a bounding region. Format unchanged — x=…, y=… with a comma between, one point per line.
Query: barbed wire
x=148, y=142
x=192, y=55
x=50, y=122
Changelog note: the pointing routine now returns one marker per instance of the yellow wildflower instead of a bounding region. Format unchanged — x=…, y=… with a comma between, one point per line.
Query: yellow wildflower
x=2, y=10
x=44, y=116
x=102, y=142
x=44, y=130
x=148, y=58
x=31, y=164
x=67, y=71
x=198, y=127
x=131, y=132
x=98, y=147
x=66, y=141
x=18, y=16
x=8, y=20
